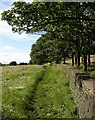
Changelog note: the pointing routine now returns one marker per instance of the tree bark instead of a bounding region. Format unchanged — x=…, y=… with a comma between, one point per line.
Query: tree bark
x=85, y=61
x=72, y=59
x=64, y=60
x=88, y=59
x=75, y=59
x=78, y=58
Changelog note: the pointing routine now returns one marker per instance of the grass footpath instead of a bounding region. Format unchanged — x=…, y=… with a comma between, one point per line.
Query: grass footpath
x=37, y=92
x=17, y=82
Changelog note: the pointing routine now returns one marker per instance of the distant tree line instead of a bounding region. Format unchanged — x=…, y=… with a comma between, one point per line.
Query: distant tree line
x=69, y=29
x=22, y=63
x=14, y=63
x=0, y=64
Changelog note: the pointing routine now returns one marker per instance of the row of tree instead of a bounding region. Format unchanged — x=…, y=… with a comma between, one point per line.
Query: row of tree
x=69, y=29
x=14, y=63
x=49, y=49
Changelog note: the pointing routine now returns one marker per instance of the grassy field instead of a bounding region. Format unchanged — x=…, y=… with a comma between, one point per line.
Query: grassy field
x=36, y=92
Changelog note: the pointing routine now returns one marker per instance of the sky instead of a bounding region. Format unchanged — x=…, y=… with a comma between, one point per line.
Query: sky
x=13, y=46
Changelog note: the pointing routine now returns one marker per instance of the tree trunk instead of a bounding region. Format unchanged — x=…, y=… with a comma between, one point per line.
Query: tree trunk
x=85, y=61
x=75, y=59
x=72, y=59
x=78, y=58
x=64, y=60
x=88, y=59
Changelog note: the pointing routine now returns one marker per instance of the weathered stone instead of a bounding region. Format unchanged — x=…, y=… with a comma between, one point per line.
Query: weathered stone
x=81, y=90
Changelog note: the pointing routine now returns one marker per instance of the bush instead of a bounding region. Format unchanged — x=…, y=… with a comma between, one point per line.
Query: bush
x=13, y=63
x=0, y=64
x=23, y=63
x=92, y=73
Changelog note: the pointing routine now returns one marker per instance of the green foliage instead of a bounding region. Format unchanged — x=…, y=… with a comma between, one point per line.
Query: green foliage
x=48, y=49
x=92, y=73
x=71, y=22
x=91, y=70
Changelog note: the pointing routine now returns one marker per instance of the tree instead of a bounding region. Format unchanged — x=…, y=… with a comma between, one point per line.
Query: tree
x=0, y=64
x=56, y=18
x=22, y=63
x=13, y=63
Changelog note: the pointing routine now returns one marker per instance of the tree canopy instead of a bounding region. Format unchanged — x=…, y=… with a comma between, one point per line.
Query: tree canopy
x=69, y=28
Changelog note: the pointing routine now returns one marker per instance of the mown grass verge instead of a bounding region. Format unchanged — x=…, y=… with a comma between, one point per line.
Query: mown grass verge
x=45, y=93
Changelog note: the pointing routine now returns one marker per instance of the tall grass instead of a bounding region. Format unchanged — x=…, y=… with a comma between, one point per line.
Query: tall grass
x=37, y=92
x=53, y=97
x=16, y=87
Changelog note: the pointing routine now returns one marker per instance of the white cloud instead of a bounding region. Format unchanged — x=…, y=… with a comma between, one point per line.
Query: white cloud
x=15, y=0
x=23, y=0
x=17, y=56
x=7, y=31
x=9, y=53
x=8, y=47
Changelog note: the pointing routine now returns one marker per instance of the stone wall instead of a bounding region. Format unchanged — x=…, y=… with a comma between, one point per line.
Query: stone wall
x=83, y=92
